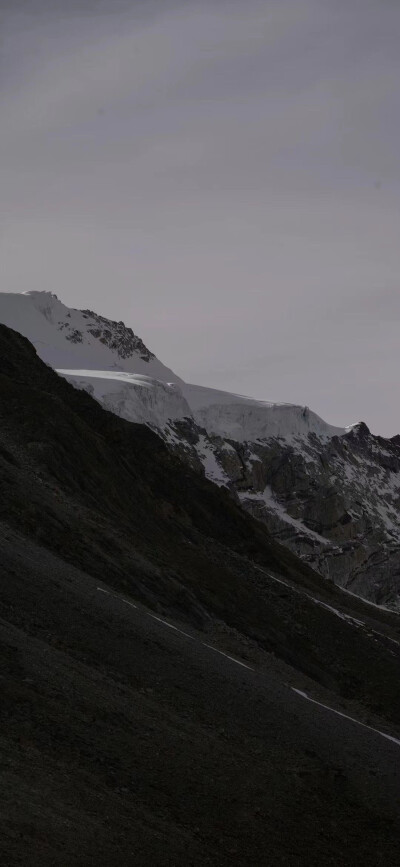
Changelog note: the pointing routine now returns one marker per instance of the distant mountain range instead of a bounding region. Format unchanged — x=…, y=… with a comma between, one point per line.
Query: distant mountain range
x=329, y=494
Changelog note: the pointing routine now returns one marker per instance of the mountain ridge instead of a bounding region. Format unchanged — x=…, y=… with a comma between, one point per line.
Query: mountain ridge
x=332, y=495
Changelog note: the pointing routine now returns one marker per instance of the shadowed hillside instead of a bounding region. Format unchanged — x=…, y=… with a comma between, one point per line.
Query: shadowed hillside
x=103, y=707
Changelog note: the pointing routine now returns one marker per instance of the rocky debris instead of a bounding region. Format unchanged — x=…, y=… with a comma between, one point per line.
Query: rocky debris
x=75, y=336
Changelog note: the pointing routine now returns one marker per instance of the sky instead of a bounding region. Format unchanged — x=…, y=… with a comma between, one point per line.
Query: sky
x=222, y=175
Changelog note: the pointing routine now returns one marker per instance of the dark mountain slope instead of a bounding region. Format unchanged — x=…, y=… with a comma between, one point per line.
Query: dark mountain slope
x=108, y=497
x=123, y=741
x=121, y=470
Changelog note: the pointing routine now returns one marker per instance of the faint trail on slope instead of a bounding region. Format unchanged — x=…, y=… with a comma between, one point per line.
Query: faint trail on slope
x=244, y=665
x=345, y=716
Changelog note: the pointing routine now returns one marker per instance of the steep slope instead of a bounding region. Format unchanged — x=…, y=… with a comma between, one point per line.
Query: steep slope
x=330, y=495
x=109, y=497
x=153, y=637
x=128, y=739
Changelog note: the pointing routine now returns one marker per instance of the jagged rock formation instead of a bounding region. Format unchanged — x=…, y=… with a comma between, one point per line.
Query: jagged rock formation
x=330, y=495
x=116, y=336
x=335, y=503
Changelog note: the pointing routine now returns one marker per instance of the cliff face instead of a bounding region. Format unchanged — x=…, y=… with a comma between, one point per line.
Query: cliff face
x=334, y=502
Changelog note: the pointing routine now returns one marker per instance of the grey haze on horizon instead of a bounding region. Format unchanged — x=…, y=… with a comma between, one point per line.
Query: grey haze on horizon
x=224, y=177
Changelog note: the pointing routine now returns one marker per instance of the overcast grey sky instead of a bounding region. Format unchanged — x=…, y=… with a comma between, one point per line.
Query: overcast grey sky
x=223, y=175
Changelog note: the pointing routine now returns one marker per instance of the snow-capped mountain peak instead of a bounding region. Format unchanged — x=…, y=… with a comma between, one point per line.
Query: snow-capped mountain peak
x=78, y=339
x=330, y=494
